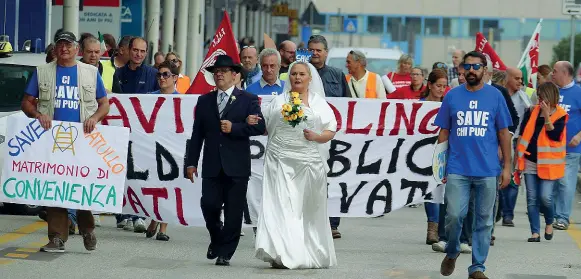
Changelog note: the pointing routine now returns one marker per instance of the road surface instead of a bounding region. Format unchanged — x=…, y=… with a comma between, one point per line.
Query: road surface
x=388, y=247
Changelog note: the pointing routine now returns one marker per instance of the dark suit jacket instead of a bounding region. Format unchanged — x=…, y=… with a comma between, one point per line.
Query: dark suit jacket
x=511, y=108
x=230, y=152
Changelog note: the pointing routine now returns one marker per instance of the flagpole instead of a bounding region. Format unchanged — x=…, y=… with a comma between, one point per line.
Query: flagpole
x=525, y=53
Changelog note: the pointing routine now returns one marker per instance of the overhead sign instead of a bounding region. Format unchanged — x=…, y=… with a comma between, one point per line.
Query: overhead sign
x=280, y=10
x=132, y=12
x=572, y=7
x=280, y=25
x=97, y=16
x=350, y=25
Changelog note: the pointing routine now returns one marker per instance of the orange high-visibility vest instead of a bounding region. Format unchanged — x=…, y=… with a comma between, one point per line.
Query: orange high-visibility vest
x=370, y=87
x=183, y=84
x=550, y=154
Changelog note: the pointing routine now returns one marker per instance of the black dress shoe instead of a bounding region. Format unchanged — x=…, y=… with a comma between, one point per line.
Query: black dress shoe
x=534, y=239
x=507, y=223
x=211, y=254
x=223, y=261
x=548, y=236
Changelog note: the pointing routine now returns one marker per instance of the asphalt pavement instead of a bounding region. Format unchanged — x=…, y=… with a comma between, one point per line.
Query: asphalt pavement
x=388, y=247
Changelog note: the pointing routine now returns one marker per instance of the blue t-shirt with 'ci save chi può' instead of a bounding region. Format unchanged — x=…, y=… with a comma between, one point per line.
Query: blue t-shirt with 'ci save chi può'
x=66, y=101
x=473, y=119
x=570, y=101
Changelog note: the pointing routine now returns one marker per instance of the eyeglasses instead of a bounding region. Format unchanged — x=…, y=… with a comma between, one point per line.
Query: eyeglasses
x=222, y=70
x=174, y=61
x=476, y=67
x=287, y=51
x=164, y=75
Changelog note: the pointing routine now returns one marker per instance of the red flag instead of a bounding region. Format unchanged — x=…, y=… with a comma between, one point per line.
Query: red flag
x=483, y=46
x=223, y=43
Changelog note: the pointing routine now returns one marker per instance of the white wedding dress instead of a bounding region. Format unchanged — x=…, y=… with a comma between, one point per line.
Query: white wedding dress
x=293, y=227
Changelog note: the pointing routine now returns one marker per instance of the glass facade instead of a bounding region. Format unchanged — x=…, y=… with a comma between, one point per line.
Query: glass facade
x=400, y=27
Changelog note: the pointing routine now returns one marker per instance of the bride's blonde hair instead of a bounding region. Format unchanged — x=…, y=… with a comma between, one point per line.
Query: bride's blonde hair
x=304, y=64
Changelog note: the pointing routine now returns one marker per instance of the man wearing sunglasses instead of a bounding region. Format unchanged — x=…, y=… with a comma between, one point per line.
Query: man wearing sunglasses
x=474, y=120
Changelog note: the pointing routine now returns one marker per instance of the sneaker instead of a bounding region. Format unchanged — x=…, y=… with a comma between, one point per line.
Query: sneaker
x=440, y=246
x=139, y=226
x=97, y=218
x=90, y=241
x=242, y=233
x=128, y=225
x=465, y=248
x=122, y=224
x=561, y=226
x=55, y=246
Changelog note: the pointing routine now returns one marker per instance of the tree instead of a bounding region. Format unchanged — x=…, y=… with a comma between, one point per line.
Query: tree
x=561, y=50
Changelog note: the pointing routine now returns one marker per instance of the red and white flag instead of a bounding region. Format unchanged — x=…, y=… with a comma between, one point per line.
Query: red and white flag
x=223, y=43
x=482, y=45
x=529, y=62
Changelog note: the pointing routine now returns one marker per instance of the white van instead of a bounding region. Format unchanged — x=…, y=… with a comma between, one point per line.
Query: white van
x=379, y=60
x=15, y=71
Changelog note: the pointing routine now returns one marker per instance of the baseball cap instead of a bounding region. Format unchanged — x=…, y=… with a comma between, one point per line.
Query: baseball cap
x=65, y=35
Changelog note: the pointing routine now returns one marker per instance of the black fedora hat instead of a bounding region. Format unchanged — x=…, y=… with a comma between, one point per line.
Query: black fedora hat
x=223, y=61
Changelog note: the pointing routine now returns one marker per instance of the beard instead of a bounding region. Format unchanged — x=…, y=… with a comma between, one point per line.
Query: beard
x=473, y=79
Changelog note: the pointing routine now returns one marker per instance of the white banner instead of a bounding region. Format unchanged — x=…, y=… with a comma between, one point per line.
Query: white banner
x=381, y=157
x=63, y=166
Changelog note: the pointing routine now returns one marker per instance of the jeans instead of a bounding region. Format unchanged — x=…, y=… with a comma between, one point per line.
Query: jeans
x=564, y=192
x=334, y=221
x=432, y=211
x=539, y=192
x=508, y=197
x=72, y=215
x=458, y=192
x=466, y=225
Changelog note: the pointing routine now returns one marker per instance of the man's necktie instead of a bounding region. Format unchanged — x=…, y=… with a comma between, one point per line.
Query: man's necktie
x=222, y=103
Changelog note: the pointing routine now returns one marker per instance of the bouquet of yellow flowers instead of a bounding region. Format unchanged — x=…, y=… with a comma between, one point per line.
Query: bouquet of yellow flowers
x=292, y=113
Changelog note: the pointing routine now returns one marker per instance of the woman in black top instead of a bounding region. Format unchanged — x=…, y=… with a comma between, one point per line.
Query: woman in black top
x=539, y=191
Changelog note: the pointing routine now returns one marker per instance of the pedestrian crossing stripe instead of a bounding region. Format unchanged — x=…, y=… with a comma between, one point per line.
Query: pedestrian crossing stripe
x=6, y=261
x=17, y=255
x=27, y=250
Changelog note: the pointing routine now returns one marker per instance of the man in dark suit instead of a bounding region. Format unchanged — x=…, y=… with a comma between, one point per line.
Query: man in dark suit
x=220, y=124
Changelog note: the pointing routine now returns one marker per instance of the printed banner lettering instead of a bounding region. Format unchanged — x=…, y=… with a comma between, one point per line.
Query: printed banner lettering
x=63, y=166
x=381, y=156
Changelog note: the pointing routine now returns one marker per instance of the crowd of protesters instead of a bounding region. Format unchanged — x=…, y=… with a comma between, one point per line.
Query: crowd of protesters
x=535, y=135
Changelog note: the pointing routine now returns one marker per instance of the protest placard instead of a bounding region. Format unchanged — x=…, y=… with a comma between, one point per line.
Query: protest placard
x=380, y=157
x=63, y=166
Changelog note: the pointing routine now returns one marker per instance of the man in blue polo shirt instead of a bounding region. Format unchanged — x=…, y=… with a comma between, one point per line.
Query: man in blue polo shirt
x=570, y=100
x=269, y=84
x=474, y=119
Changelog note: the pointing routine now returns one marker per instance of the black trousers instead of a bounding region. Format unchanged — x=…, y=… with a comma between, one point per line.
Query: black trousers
x=229, y=192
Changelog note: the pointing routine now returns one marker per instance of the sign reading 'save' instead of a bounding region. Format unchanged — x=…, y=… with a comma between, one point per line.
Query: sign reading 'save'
x=63, y=166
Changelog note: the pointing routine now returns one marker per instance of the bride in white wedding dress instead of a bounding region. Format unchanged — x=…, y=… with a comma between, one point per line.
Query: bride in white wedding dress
x=293, y=227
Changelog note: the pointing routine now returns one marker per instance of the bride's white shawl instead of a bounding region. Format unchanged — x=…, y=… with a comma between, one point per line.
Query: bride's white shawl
x=325, y=119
